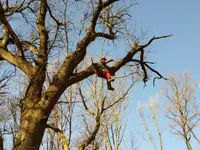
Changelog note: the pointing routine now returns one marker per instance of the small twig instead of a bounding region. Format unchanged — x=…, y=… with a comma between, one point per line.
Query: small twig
x=74, y=102
x=147, y=62
x=153, y=70
x=120, y=99
x=82, y=97
x=154, y=38
x=84, y=104
x=50, y=13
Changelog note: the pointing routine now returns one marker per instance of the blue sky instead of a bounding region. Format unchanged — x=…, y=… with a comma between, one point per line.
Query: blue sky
x=177, y=54
x=180, y=18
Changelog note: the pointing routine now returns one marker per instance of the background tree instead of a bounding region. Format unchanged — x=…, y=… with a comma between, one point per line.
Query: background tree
x=152, y=106
x=44, y=29
x=183, y=111
x=111, y=107
x=5, y=114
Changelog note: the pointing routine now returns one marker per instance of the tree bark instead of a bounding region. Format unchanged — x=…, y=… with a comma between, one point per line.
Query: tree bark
x=32, y=128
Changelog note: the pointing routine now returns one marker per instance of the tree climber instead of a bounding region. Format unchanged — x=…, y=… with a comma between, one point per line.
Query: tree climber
x=103, y=71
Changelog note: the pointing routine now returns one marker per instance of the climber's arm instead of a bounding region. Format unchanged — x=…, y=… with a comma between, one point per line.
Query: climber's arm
x=109, y=61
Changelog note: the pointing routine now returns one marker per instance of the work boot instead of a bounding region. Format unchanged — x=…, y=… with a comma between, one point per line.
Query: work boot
x=111, y=89
x=109, y=86
x=111, y=80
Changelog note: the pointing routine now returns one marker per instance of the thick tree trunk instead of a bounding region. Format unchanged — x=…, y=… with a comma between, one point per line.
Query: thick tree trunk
x=32, y=127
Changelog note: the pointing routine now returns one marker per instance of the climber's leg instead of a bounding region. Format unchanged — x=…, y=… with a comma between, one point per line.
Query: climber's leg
x=109, y=86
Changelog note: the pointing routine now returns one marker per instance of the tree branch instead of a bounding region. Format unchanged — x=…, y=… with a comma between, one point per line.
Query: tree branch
x=17, y=61
x=42, y=54
x=92, y=136
x=17, y=9
x=104, y=35
x=195, y=136
x=143, y=67
x=29, y=46
x=50, y=13
x=120, y=99
x=11, y=31
x=128, y=58
x=154, y=38
x=156, y=72
x=97, y=12
x=86, y=108
x=61, y=135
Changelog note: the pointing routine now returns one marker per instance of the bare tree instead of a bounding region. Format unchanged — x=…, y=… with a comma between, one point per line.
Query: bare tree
x=113, y=124
x=44, y=29
x=104, y=121
x=183, y=111
x=133, y=142
x=6, y=75
x=153, y=108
